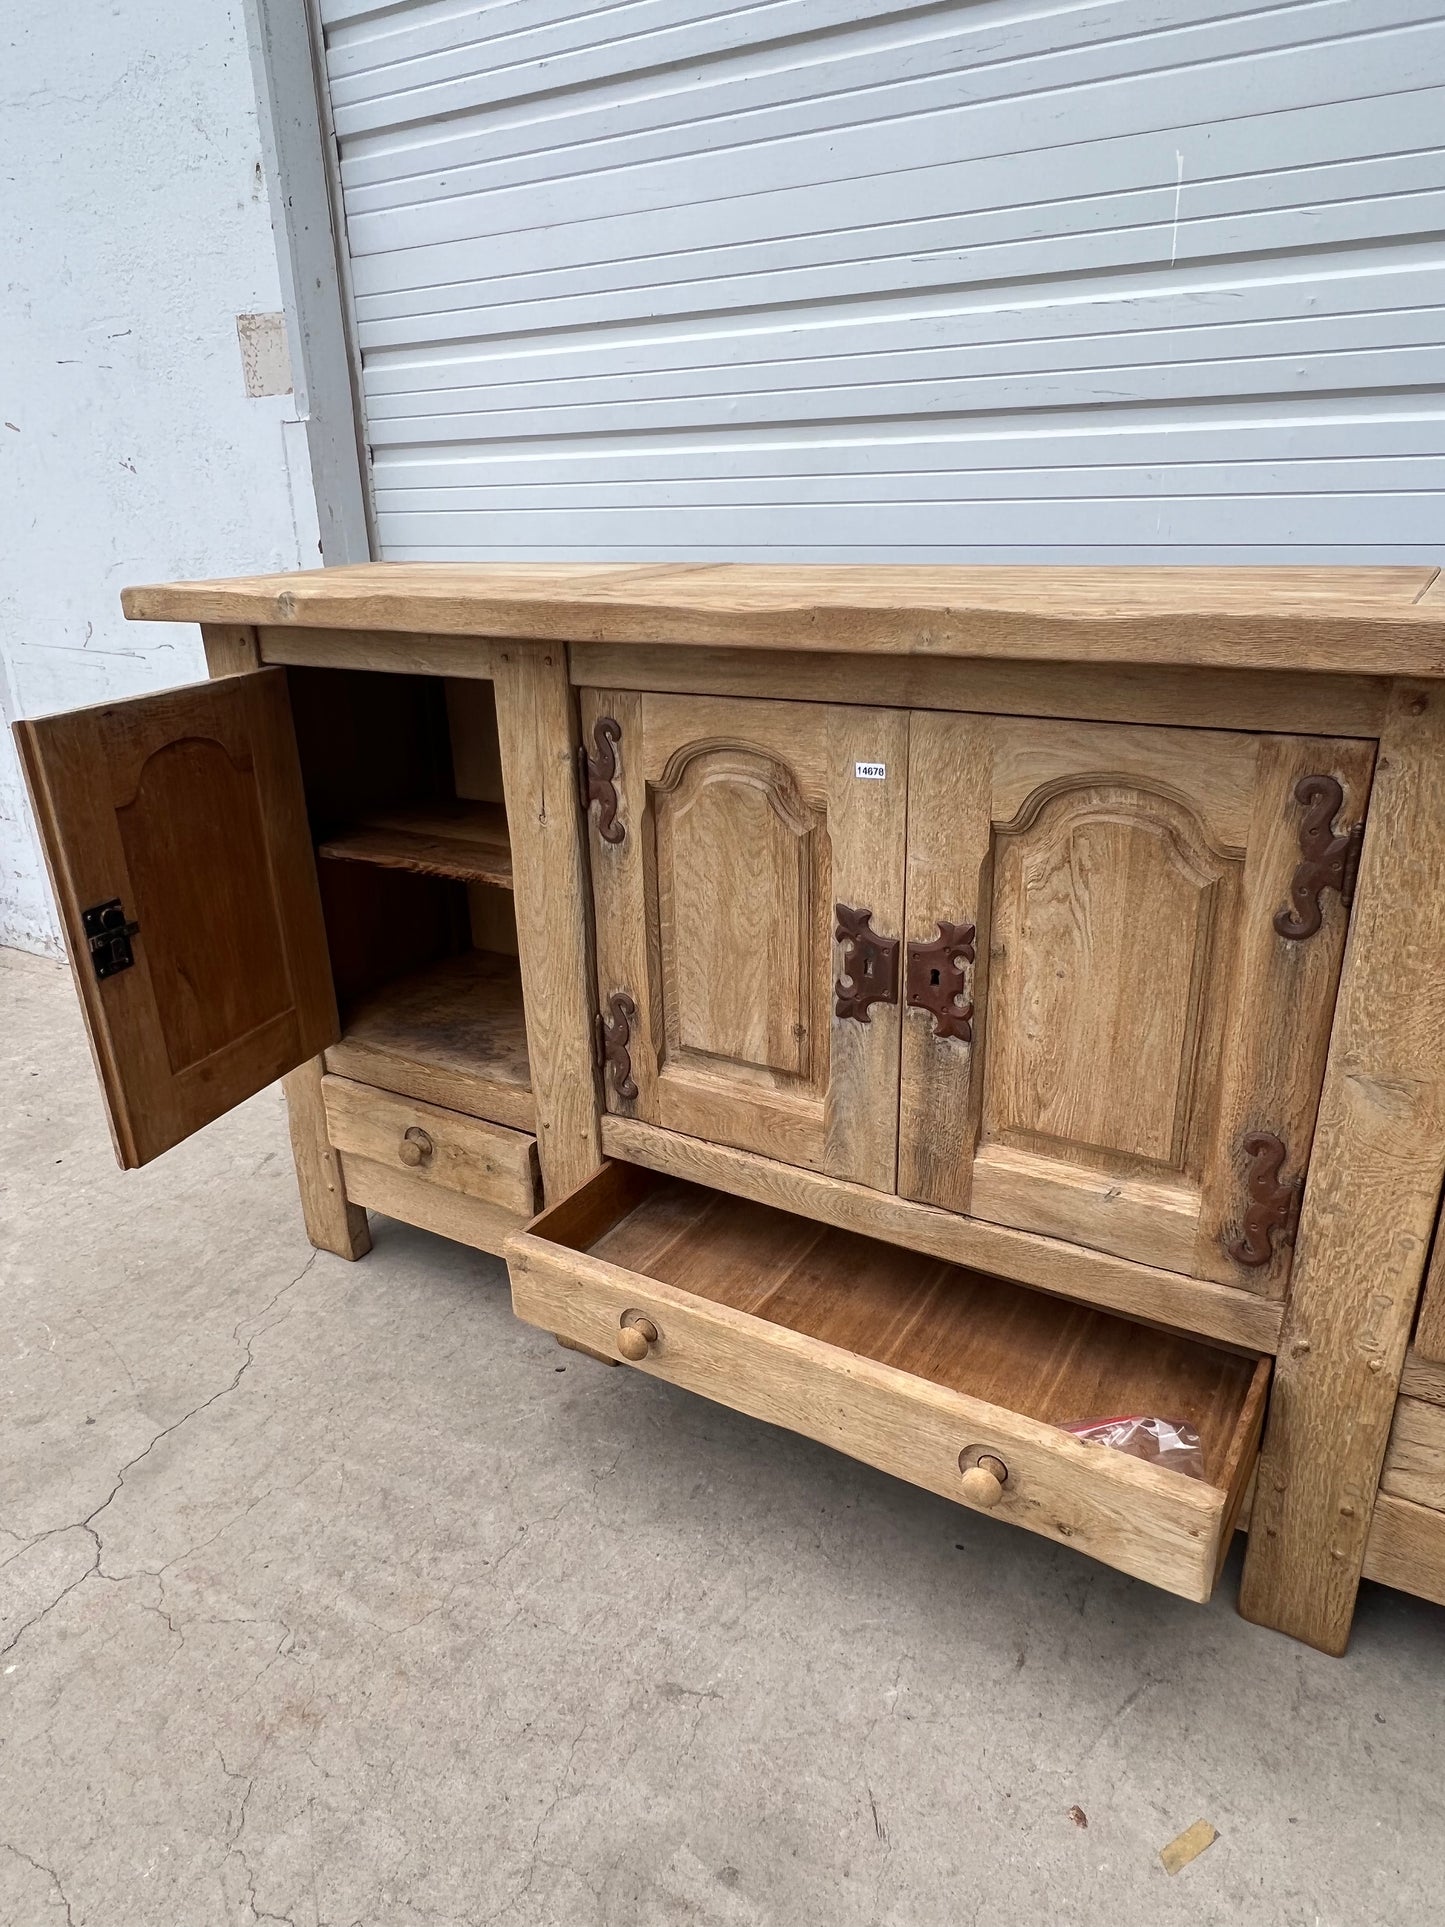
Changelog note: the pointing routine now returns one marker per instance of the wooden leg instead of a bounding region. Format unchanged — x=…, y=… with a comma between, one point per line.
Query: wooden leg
x=1369, y=1208
x=332, y=1224
x=537, y=729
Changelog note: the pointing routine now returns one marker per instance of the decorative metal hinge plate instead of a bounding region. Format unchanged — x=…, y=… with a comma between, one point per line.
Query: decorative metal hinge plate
x=870, y=965
x=938, y=977
x=1274, y=1202
x=108, y=932
x=1329, y=859
x=613, y=1036
x=597, y=778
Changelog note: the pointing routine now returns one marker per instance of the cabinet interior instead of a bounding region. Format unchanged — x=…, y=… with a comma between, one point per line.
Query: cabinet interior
x=404, y=797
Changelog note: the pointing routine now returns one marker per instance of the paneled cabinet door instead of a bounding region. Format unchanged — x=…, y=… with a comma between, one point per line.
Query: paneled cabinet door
x=175, y=829
x=1141, y=1030
x=724, y=836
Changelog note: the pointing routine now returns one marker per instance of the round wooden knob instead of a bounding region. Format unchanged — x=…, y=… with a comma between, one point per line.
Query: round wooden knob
x=983, y=1483
x=415, y=1147
x=637, y=1338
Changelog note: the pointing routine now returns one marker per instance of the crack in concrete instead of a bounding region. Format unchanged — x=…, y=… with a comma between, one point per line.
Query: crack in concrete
x=50, y=1874
x=513, y=1901
x=233, y=1845
x=159, y=1572
x=111, y=1347
x=87, y=1524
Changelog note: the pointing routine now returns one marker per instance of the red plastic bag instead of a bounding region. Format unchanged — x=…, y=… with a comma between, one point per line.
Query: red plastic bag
x=1162, y=1441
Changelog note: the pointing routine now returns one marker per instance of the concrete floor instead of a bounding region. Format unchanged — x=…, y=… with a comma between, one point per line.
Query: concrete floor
x=331, y=1594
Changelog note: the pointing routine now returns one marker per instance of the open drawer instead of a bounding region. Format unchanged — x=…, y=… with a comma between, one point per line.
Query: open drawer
x=913, y=1365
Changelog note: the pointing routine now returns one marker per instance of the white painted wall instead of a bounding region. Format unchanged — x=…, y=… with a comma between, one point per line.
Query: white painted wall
x=134, y=228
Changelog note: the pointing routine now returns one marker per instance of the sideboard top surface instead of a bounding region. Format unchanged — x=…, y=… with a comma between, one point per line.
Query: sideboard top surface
x=1371, y=621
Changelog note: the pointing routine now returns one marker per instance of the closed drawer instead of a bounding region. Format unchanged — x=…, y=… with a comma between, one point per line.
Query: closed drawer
x=915, y=1366
x=432, y=1146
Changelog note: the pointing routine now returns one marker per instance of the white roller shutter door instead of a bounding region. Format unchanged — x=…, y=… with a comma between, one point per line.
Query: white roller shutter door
x=825, y=280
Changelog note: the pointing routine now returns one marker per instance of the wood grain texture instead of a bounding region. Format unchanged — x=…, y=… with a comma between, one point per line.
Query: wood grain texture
x=1067, y=1271
x=451, y=1034
x=383, y=651
x=1319, y=705
x=745, y=823
x=620, y=885
x=461, y=1153
x=537, y=731
x=1281, y=995
x=411, y=1200
x=467, y=841
x=1116, y=861
x=741, y=881
x=231, y=648
x=1091, y=928
x=1369, y=1206
x=1215, y=768
x=333, y=1221
x=909, y=1364
x=1423, y=1377
x=1369, y=620
x=950, y=797
x=188, y=807
x=868, y=826
x=476, y=746
x=1430, y=1325
x=1123, y=882
x=1414, y=1465
x=1133, y=1217
x=1406, y=1548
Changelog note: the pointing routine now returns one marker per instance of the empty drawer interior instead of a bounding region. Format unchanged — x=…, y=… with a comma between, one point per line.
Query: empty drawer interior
x=1049, y=1359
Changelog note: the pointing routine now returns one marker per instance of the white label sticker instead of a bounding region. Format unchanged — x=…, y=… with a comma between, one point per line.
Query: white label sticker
x=874, y=772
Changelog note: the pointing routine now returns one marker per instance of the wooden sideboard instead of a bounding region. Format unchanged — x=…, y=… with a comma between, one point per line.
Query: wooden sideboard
x=921, y=1007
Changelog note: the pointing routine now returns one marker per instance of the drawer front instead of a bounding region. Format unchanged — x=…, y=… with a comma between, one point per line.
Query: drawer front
x=1158, y=1526
x=433, y=1147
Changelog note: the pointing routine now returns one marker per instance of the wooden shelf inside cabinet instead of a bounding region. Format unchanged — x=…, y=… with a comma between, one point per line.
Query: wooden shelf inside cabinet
x=453, y=1034
x=465, y=841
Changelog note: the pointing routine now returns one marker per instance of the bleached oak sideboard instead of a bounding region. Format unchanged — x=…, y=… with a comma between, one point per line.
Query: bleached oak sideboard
x=921, y=1007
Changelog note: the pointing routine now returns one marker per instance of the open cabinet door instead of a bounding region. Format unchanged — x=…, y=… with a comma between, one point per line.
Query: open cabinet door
x=175, y=829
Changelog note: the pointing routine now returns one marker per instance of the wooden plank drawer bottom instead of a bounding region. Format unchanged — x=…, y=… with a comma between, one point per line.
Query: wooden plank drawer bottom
x=911, y=1364
x=456, y=1175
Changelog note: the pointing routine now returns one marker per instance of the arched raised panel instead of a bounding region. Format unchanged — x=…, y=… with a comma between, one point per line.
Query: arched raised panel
x=1108, y=906
x=195, y=851
x=741, y=893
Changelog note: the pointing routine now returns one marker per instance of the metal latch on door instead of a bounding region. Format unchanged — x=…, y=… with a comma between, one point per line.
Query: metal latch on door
x=108, y=932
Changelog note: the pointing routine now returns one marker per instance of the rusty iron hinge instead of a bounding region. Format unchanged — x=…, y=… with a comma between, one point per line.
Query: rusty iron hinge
x=612, y=1033
x=108, y=932
x=938, y=978
x=1274, y=1202
x=870, y=965
x=1329, y=859
x=596, y=778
